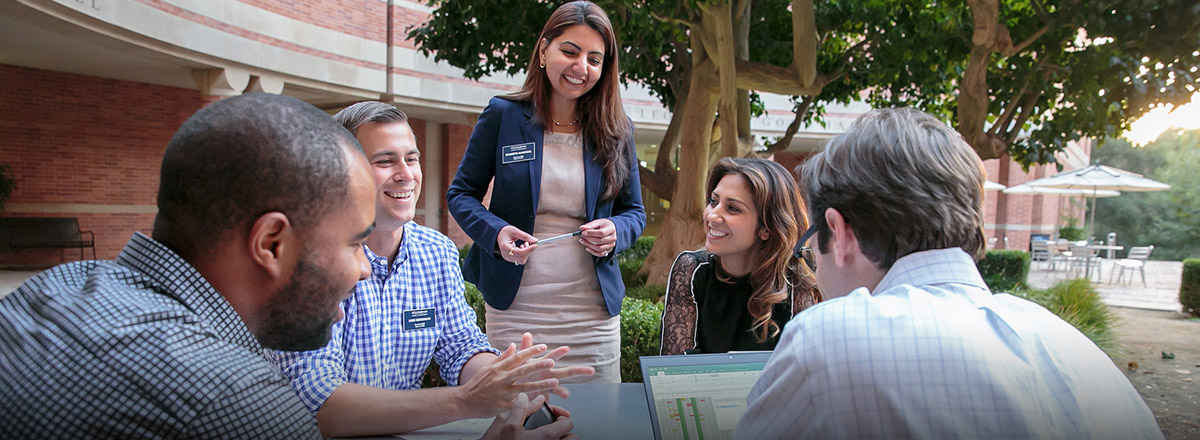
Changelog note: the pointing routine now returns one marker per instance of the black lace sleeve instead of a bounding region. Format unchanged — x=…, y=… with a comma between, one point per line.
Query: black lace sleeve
x=804, y=296
x=679, y=314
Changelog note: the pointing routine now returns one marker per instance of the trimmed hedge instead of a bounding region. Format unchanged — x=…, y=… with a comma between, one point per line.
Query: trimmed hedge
x=648, y=292
x=1004, y=270
x=462, y=255
x=630, y=261
x=1189, y=287
x=475, y=300
x=1078, y=303
x=639, y=250
x=641, y=324
x=629, y=273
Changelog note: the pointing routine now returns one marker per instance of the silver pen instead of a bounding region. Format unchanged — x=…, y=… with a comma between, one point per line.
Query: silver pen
x=559, y=237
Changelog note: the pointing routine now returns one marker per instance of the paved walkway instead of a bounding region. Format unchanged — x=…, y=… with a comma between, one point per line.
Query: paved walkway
x=11, y=279
x=1161, y=291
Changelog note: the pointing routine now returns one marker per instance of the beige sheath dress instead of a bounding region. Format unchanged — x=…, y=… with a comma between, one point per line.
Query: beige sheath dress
x=559, y=300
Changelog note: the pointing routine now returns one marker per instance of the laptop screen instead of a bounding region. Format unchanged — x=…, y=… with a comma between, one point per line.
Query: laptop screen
x=699, y=396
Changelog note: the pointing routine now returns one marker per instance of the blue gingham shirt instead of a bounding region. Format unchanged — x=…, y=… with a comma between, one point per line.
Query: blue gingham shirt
x=933, y=354
x=141, y=347
x=370, y=346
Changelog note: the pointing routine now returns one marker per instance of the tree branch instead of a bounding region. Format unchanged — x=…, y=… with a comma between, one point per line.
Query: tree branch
x=837, y=72
x=660, y=183
x=1018, y=48
x=782, y=143
x=670, y=141
x=1001, y=125
x=765, y=77
x=1041, y=11
x=1006, y=115
x=739, y=10
x=804, y=42
x=1027, y=106
x=679, y=21
x=719, y=18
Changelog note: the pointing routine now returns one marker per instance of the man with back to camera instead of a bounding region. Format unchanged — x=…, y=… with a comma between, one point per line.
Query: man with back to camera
x=910, y=342
x=264, y=202
x=410, y=311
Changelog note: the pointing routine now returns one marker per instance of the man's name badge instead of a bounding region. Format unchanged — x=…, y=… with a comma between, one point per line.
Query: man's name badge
x=517, y=153
x=419, y=319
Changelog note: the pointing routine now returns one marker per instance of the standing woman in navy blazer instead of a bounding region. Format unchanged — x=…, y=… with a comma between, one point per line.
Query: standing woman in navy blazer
x=559, y=153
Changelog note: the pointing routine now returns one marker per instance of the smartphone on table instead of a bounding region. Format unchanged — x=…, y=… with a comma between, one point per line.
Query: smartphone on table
x=543, y=416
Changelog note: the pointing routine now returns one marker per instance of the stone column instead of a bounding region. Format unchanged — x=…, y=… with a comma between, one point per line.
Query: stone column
x=433, y=176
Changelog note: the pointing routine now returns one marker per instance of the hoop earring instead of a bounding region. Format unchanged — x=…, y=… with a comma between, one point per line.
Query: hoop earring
x=543, y=64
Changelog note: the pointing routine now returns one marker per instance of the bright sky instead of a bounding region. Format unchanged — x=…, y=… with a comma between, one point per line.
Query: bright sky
x=1147, y=128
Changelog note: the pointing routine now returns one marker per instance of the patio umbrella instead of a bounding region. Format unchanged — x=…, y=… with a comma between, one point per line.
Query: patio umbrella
x=1096, y=178
x=989, y=185
x=1024, y=188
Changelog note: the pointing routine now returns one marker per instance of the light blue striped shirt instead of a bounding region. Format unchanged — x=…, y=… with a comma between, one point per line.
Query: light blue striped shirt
x=370, y=345
x=933, y=354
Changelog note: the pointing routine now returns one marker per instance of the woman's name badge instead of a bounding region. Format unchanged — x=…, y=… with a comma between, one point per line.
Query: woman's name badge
x=517, y=153
x=420, y=318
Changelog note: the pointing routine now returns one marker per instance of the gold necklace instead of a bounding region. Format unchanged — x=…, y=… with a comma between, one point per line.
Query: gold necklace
x=559, y=124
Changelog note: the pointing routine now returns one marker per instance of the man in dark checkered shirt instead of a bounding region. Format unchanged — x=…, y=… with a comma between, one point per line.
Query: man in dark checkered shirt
x=264, y=203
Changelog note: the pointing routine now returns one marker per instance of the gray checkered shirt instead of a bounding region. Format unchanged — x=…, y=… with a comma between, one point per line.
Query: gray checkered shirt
x=140, y=347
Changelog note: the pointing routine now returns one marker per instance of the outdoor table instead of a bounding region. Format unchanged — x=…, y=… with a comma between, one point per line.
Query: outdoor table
x=599, y=411
x=1098, y=247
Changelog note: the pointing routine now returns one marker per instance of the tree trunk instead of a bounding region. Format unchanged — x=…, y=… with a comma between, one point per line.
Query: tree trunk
x=973, y=95
x=682, y=229
x=720, y=67
x=717, y=19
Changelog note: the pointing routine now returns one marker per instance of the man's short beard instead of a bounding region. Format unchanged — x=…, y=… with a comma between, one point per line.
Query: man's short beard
x=298, y=318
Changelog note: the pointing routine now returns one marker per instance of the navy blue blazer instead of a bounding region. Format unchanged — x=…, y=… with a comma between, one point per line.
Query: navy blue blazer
x=515, y=198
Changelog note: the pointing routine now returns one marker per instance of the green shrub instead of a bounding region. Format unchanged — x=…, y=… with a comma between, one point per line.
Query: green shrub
x=641, y=322
x=639, y=250
x=475, y=300
x=1004, y=270
x=630, y=261
x=1189, y=287
x=648, y=292
x=1078, y=303
x=629, y=273
x=1071, y=231
x=462, y=255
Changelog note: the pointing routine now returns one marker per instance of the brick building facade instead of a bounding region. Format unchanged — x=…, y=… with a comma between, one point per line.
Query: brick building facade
x=93, y=89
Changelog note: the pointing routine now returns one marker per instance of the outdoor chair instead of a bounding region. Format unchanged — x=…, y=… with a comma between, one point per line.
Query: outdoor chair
x=1039, y=251
x=1084, y=259
x=1059, y=256
x=1136, y=260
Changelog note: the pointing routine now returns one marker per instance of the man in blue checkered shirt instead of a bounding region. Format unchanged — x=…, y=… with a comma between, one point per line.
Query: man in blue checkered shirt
x=263, y=205
x=411, y=310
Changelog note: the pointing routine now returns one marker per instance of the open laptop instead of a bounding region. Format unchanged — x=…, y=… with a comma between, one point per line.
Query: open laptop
x=699, y=396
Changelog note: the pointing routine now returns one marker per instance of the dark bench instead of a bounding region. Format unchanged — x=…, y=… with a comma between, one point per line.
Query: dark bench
x=45, y=233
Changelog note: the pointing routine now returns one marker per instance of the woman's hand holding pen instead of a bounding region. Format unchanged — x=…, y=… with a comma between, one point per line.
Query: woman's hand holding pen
x=599, y=237
x=506, y=244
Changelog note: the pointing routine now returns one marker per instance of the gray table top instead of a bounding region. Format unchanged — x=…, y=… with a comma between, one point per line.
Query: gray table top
x=608, y=411
x=604, y=411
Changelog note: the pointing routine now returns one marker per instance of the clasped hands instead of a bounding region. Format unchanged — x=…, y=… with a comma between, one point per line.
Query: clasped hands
x=598, y=237
x=506, y=384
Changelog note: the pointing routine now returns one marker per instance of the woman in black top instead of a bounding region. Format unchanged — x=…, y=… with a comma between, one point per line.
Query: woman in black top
x=738, y=292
